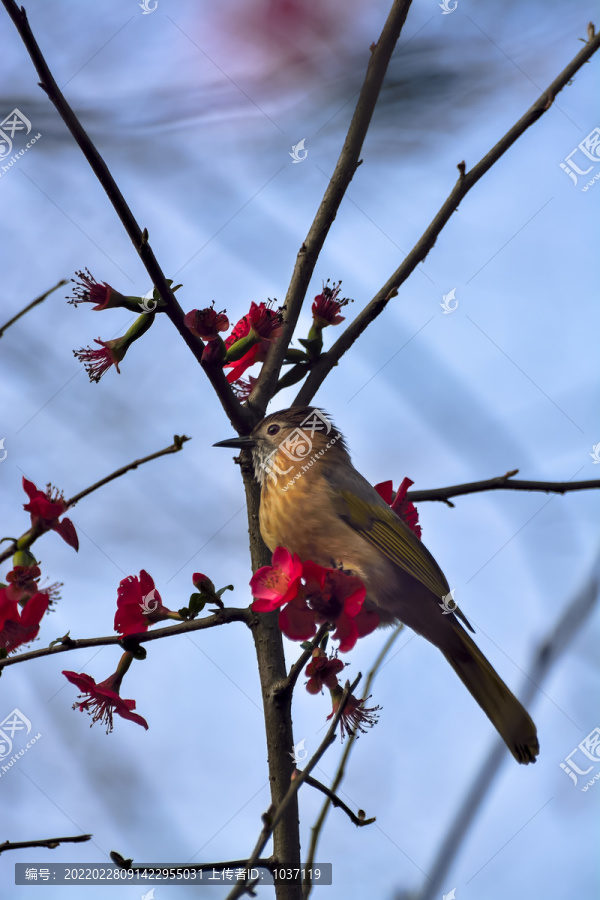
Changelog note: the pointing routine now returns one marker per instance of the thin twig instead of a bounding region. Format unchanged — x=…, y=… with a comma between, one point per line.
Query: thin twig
x=548, y=651
x=50, y=843
x=335, y=800
x=272, y=817
x=289, y=683
x=346, y=166
x=339, y=775
x=238, y=416
x=425, y=243
x=501, y=483
x=267, y=862
x=175, y=447
x=220, y=617
x=31, y=305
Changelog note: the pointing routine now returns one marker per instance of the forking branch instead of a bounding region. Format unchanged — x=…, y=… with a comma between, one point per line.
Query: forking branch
x=346, y=166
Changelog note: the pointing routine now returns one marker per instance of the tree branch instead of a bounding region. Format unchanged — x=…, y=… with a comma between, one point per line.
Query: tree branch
x=31, y=305
x=466, y=181
x=175, y=447
x=335, y=800
x=272, y=670
x=50, y=843
x=503, y=483
x=339, y=775
x=220, y=617
x=267, y=862
x=346, y=166
x=237, y=414
x=274, y=814
x=287, y=686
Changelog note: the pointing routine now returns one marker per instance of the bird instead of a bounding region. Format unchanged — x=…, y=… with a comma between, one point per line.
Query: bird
x=314, y=503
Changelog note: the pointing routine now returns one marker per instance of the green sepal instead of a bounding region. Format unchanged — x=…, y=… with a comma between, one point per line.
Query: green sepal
x=24, y=558
x=294, y=355
x=293, y=376
x=197, y=604
x=313, y=343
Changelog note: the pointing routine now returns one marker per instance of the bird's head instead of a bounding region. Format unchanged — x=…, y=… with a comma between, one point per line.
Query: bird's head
x=285, y=442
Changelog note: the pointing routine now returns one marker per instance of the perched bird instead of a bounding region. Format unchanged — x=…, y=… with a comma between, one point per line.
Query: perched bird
x=315, y=503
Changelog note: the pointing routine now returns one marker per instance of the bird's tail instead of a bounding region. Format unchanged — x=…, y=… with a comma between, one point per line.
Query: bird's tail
x=507, y=715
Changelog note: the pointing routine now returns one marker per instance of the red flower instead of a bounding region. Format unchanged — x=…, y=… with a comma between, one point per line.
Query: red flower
x=214, y=352
x=103, y=699
x=297, y=620
x=338, y=598
x=45, y=510
x=322, y=672
x=22, y=582
x=403, y=508
x=88, y=290
x=253, y=334
x=138, y=605
x=20, y=627
x=326, y=306
x=355, y=716
x=203, y=583
x=311, y=594
x=273, y=586
x=97, y=362
x=206, y=323
x=327, y=595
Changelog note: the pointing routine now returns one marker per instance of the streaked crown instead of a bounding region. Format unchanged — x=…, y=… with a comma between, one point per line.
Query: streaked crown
x=289, y=439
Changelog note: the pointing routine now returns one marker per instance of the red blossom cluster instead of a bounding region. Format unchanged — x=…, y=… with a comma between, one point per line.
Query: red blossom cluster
x=309, y=595
x=247, y=344
x=22, y=607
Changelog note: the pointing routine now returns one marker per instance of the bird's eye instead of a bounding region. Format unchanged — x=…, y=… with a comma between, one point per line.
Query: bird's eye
x=273, y=429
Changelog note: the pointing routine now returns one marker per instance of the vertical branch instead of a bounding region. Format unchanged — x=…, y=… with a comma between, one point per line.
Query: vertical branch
x=347, y=164
x=276, y=704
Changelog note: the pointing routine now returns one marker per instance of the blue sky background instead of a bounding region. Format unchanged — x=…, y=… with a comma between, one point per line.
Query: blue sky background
x=195, y=109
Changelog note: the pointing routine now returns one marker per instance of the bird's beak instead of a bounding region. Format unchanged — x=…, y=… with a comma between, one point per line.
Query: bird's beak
x=245, y=441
